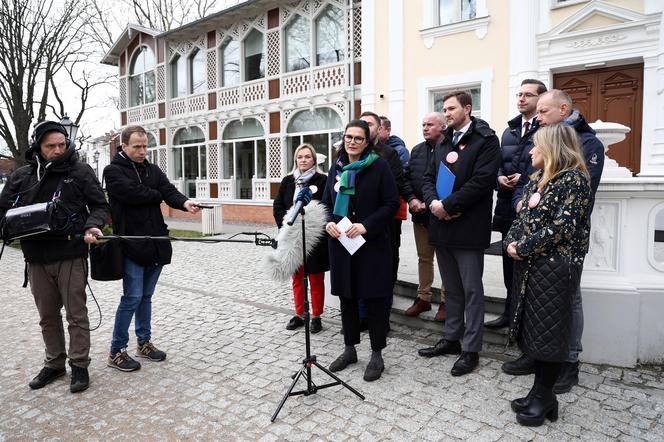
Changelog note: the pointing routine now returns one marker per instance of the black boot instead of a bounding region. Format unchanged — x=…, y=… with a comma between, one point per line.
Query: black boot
x=543, y=404
x=522, y=403
x=569, y=377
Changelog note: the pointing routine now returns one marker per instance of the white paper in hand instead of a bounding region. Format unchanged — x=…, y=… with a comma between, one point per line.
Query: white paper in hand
x=351, y=244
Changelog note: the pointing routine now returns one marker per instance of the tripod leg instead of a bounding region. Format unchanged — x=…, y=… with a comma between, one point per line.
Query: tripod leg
x=288, y=392
x=336, y=378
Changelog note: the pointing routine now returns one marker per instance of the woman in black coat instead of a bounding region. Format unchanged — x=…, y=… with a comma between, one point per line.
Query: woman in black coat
x=306, y=173
x=549, y=241
x=361, y=187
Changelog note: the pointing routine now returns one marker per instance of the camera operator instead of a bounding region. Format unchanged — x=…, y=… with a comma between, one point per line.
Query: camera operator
x=136, y=189
x=56, y=266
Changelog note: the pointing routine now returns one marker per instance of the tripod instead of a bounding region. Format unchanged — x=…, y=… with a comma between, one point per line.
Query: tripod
x=309, y=360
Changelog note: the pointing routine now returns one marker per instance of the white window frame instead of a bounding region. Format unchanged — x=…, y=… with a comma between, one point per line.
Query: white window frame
x=243, y=58
x=285, y=42
x=142, y=76
x=483, y=78
x=557, y=4
x=190, y=71
x=240, y=62
x=314, y=35
x=431, y=29
x=477, y=113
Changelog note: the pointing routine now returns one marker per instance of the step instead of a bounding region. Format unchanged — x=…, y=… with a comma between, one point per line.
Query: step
x=492, y=304
x=425, y=320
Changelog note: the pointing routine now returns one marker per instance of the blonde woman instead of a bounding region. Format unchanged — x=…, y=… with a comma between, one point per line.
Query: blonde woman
x=305, y=173
x=548, y=241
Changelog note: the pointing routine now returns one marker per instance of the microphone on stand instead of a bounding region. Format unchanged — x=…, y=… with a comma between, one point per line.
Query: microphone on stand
x=303, y=198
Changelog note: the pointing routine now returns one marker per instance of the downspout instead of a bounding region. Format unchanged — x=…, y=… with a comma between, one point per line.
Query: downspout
x=351, y=53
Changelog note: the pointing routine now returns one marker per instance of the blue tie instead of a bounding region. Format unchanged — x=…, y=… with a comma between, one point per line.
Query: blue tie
x=456, y=136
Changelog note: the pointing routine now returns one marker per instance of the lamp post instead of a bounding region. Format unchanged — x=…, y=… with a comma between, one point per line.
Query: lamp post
x=71, y=128
x=95, y=156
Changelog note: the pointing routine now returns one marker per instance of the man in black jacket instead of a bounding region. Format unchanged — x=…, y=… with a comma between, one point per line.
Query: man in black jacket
x=461, y=229
x=56, y=264
x=433, y=125
x=553, y=107
x=136, y=189
x=516, y=139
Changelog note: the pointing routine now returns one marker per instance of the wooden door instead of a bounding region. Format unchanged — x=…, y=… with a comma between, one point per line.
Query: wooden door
x=614, y=95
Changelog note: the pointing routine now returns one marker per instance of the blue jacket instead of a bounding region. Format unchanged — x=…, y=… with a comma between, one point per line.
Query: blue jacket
x=399, y=146
x=512, y=148
x=593, y=152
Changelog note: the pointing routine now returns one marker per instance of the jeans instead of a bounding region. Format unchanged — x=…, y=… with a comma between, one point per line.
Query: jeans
x=138, y=286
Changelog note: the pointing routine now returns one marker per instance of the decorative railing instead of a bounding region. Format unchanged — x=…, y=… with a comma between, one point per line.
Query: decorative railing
x=188, y=105
x=325, y=78
x=141, y=114
x=261, y=189
x=252, y=92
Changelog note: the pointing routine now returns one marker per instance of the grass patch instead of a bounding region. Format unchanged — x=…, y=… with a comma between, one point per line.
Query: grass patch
x=185, y=233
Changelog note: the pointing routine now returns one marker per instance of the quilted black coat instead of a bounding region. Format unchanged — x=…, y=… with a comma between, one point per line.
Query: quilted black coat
x=552, y=238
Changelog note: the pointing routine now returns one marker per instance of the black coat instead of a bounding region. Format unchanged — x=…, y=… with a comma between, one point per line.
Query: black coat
x=82, y=204
x=135, y=191
x=472, y=194
x=389, y=154
x=420, y=157
x=367, y=273
x=318, y=261
x=512, y=148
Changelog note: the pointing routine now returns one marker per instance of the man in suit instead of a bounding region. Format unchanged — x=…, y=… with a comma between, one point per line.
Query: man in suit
x=461, y=227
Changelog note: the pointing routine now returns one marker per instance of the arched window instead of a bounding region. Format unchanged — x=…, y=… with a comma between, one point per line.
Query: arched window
x=178, y=77
x=230, y=63
x=330, y=36
x=244, y=156
x=197, y=72
x=152, y=155
x=298, y=44
x=141, y=77
x=254, y=60
x=189, y=157
x=321, y=128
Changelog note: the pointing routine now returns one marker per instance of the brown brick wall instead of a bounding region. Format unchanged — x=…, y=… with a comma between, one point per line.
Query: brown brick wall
x=230, y=212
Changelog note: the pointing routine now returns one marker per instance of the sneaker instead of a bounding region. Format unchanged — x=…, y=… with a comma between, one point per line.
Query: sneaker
x=46, y=376
x=80, y=380
x=148, y=351
x=122, y=361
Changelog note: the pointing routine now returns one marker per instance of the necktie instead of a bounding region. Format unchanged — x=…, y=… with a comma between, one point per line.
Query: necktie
x=526, y=126
x=456, y=136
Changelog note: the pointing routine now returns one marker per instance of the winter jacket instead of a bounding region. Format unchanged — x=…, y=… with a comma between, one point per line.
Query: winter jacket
x=472, y=195
x=367, y=273
x=593, y=152
x=80, y=206
x=135, y=191
x=392, y=157
x=512, y=147
x=420, y=157
x=318, y=261
x=399, y=147
x=552, y=238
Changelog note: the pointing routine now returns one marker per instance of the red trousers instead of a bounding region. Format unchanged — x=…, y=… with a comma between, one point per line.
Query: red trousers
x=316, y=289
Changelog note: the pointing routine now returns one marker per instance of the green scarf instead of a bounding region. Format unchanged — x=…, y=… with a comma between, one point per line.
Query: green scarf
x=347, y=182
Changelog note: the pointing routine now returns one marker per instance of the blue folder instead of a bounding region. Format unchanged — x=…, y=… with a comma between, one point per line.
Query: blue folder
x=444, y=182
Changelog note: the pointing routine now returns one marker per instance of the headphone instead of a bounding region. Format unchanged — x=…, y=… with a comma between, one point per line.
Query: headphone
x=56, y=127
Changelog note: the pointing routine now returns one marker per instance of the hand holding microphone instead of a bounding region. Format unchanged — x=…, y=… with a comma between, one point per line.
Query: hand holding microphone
x=303, y=198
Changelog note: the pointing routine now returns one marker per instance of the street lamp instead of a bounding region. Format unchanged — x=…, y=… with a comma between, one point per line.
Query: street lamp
x=95, y=156
x=71, y=128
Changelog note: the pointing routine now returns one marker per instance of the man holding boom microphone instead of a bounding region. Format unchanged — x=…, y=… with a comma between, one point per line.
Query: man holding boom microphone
x=136, y=189
x=57, y=264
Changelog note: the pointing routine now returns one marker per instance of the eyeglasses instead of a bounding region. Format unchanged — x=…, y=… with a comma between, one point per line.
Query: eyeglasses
x=357, y=140
x=526, y=95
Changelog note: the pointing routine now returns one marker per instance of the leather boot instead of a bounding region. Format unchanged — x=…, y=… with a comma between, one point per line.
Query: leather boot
x=543, y=404
x=519, y=367
x=522, y=403
x=569, y=377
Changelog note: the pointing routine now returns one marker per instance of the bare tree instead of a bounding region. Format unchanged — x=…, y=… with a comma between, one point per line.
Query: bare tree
x=40, y=43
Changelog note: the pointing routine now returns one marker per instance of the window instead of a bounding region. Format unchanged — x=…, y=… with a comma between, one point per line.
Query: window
x=321, y=128
x=452, y=11
x=298, y=44
x=197, y=72
x=437, y=99
x=189, y=158
x=330, y=36
x=178, y=77
x=141, y=77
x=244, y=155
x=254, y=60
x=230, y=63
x=153, y=152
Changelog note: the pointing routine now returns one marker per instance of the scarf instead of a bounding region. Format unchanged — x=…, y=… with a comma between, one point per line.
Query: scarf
x=347, y=175
x=302, y=179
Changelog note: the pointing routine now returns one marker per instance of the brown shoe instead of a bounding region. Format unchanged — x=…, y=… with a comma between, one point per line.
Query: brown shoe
x=441, y=314
x=418, y=307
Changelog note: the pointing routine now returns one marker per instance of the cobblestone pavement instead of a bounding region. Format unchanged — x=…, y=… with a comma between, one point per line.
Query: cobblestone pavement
x=230, y=360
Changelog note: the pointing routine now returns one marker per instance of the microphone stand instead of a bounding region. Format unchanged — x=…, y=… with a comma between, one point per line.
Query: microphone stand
x=309, y=360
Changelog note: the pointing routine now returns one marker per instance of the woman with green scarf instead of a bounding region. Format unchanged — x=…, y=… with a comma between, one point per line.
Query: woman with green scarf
x=362, y=188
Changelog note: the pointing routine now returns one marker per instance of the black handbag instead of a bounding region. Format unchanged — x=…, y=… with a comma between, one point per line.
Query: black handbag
x=107, y=261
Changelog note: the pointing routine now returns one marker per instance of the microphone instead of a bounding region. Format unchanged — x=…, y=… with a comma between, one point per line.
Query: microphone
x=303, y=198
